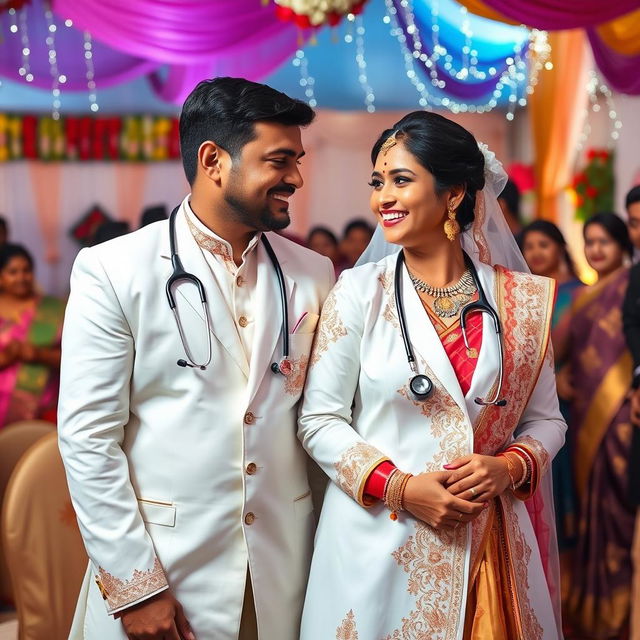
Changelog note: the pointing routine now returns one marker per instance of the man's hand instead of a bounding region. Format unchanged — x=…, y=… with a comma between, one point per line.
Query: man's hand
x=477, y=477
x=634, y=395
x=158, y=618
x=426, y=498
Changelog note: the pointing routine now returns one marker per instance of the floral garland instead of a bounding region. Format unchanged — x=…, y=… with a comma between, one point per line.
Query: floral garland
x=315, y=13
x=594, y=185
x=129, y=138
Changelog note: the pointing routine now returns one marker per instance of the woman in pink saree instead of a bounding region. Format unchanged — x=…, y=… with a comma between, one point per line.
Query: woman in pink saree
x=30, y=328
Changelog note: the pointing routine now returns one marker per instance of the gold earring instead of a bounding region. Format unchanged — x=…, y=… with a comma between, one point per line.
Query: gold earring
x=451, y=226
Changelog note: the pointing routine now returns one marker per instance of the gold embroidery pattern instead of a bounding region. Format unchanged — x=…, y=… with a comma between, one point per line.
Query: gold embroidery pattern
x=354, y=467
x=525, y=304
x=216, y=247
x=330, y=328
x=119, y=593
x=434, y=561
x=294, y=382
x=519, y=558
x=389, y=312
x=536, y=448
x=347, y=629
x=590, y=359
x=612, y=322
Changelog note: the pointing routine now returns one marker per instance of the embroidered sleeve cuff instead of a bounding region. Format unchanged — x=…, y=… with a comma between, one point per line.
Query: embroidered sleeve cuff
x=528, y=488
x=121, y=593
x=354, y=468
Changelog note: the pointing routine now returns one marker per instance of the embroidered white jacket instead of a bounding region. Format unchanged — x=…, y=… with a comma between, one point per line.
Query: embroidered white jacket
x=183, y=477
x=373, y=578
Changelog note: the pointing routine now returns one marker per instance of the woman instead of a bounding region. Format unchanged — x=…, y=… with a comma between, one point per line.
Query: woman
x=30, y=328
x=545, y=250
x=324, y=241
x=600, y=425
x=449, y=552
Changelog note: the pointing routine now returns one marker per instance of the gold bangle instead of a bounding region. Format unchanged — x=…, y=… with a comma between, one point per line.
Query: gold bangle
x=394, y=492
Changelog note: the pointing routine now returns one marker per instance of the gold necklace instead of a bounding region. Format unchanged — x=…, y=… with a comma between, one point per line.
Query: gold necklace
x=447, y=301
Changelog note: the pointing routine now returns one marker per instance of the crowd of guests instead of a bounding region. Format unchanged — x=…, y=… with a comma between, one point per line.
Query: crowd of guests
x=596, y=341
x=596, y=347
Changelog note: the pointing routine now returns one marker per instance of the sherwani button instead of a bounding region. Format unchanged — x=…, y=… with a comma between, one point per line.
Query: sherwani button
x=249, y=418
x=250, y=518
x=240, y=281
x=243, y=322
x=252, y=468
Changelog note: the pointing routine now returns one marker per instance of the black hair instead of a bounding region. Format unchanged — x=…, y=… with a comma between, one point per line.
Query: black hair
x=3, y=225
x=614, y=225
x=448, y=151
x=225, y=110
x=632, y=197
x=152, y=214
x=555, y=235
x=358, y=223
x=511, y=195
x=10, y=251
x=324, y=231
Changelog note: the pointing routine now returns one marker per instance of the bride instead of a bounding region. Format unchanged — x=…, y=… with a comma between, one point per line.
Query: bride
x=431, y=404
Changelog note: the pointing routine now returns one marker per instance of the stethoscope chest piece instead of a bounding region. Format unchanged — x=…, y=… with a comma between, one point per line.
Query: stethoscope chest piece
x=420, y=387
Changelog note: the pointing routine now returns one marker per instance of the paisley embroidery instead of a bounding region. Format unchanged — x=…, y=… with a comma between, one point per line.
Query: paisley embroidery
x=330, y=329
x=213, y=245
x=354, y=467
x=389, y=312
x=119, y=593
x=347, y=629
x=294, y=382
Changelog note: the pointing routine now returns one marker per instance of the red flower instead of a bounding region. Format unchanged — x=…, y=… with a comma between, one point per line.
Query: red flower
x=578, y=179
x=579, y=201
x=591, y=154
x=592, y=192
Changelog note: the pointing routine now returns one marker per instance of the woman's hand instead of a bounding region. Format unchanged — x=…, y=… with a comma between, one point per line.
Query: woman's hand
x=426, y=497
x=478, y=478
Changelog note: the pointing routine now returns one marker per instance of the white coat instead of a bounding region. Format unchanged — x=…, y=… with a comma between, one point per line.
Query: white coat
x=180, y=476
x=373, y=578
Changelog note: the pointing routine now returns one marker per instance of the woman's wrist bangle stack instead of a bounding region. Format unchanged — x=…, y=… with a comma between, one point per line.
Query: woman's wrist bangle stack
x=511, y=469
x=394, y=492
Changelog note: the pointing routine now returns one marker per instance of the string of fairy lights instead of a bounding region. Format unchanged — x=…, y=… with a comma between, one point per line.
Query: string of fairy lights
x=18, y=28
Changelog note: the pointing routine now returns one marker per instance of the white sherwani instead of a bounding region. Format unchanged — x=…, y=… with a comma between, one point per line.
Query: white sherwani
x=373, y=578
x=183, y=477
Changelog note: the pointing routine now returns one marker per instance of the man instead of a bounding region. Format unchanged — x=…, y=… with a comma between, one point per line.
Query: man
x=631, y=319
x=179, y=433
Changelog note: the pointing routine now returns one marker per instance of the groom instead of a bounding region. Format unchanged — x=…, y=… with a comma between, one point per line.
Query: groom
x=178, y=433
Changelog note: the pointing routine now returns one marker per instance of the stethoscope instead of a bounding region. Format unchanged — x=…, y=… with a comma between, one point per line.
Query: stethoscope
x=421, y=386
x=180, y=274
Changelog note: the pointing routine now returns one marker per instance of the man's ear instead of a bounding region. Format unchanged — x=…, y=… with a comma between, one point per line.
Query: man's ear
x=212, y=160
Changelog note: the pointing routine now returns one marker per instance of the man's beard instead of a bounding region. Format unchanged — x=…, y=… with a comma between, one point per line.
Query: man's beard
x=260, y=219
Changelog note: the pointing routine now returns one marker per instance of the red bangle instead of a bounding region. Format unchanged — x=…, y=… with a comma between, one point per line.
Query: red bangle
x=377, y=481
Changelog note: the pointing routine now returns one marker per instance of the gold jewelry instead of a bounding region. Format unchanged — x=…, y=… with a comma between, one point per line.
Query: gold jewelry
x=447, y=301
x=391, y=141
x=451, y=226
x=394, y=492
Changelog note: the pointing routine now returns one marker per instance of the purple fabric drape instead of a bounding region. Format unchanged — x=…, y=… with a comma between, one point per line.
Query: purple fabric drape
x=620, y=71
x=111, y=67
x=198, y=38
x=562, y=14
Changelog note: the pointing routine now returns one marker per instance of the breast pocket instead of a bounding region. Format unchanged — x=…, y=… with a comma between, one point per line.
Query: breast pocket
x=299, y=353
x=155, y=512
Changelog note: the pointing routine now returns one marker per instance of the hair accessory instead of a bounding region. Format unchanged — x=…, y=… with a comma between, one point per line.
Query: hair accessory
x=391, y=141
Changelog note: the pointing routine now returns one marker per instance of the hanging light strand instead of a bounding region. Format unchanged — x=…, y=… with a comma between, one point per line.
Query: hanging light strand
x=90, y=72
x=53, y=61
x=369, y=97
x=307, y=81
x=25, y=68
x=595, y=88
